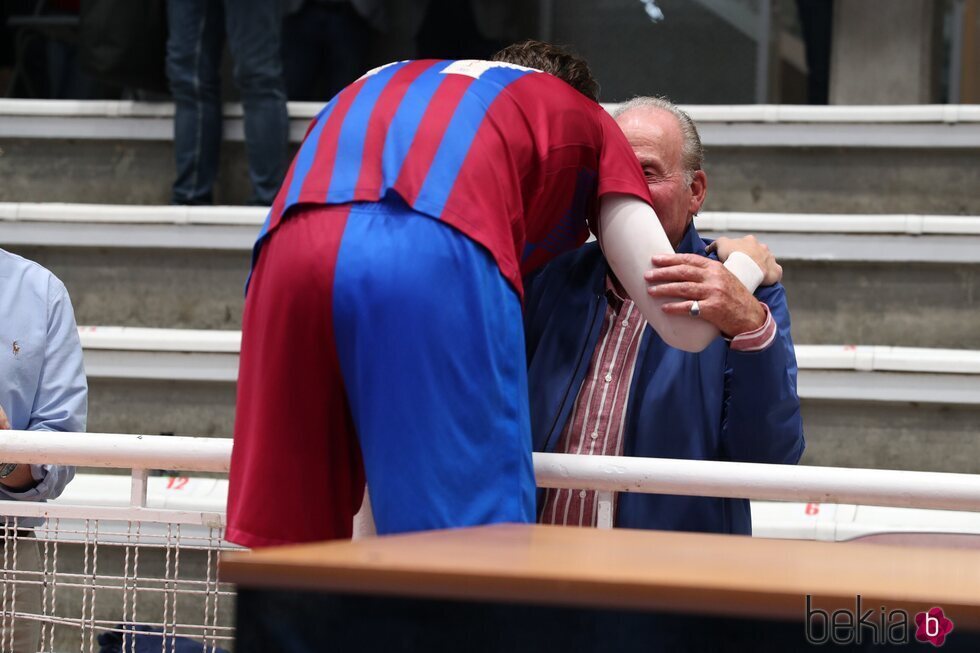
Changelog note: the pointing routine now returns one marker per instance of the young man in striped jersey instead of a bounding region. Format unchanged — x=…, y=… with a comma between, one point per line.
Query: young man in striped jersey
x=382, y=329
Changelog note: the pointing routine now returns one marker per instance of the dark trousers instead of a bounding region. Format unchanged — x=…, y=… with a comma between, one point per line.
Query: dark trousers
x=194, y=48
x=324, y=48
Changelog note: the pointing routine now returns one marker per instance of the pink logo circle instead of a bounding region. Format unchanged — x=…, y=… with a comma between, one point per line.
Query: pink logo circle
x=932, y=627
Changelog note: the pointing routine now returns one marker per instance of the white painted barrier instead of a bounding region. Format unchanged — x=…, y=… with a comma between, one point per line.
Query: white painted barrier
x=179, y=514
x=808, y=521
x=605, y=473
x=793, y=237
x=859, y=358
x=832, y=372
x=925, y=126
x=122, y=214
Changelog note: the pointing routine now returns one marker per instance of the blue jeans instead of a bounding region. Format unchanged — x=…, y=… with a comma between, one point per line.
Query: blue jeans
x=194, y=48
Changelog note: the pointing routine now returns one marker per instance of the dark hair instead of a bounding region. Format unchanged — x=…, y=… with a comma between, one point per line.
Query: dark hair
x=555, y=60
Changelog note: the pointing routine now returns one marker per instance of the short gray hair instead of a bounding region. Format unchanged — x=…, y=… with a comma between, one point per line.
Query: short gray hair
x=692, y=155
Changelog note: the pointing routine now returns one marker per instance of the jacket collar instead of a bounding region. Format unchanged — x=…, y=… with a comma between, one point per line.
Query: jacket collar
x=692, y=243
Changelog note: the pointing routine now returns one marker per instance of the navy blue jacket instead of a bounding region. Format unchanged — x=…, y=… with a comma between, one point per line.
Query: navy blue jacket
x=715, y=405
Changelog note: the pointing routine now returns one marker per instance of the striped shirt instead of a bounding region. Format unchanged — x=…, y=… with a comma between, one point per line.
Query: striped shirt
x=513, y=158
x=596, y=425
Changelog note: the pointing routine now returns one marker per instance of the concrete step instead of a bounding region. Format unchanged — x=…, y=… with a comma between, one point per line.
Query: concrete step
x=884, y=407
x=836, y=159
x=908, y=280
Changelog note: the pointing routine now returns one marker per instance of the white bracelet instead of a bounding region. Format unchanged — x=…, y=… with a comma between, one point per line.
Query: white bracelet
x=747, y=270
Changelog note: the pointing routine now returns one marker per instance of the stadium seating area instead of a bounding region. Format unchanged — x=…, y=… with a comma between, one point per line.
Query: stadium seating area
x=873, y=213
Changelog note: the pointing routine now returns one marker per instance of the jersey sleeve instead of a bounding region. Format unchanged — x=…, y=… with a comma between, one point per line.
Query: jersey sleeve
x=619, y=171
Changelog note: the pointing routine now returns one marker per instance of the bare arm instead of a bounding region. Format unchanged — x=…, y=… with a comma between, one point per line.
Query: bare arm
x=630, y=234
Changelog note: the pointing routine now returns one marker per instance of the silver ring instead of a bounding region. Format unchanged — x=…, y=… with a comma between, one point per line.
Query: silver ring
x=695, y=309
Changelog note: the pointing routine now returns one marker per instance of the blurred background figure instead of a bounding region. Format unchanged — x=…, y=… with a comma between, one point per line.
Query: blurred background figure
x=325, y=44
x=816, y=26
x=471, y=29
x=194, y=49
x=41, y=50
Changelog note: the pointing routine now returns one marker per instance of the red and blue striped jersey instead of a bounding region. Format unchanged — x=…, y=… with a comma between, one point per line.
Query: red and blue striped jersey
x=512, y=157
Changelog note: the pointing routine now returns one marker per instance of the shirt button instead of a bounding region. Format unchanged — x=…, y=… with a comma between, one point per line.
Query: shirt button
x=626, y=323
x=581, y=494
x=608, y=378
x=595, y=435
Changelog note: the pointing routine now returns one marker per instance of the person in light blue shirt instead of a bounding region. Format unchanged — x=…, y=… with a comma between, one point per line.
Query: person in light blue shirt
x=42, y=388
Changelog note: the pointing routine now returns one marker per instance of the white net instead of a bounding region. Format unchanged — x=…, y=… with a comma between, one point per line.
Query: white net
x=84, y=583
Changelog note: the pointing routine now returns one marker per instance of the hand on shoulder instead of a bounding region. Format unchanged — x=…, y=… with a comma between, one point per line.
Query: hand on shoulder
x=756, y=250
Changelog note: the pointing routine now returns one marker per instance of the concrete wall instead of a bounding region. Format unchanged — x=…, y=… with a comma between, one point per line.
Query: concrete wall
x=832, y=302
x=892, y=436
x=107, y=172
x=815, y=180
x=912, y=305
x=886, y=52
x=161, y=407
x=150, y=287
x=843, y=180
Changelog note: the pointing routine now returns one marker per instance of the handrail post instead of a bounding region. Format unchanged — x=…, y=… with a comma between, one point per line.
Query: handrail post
x=137, y=493
x=604, y=499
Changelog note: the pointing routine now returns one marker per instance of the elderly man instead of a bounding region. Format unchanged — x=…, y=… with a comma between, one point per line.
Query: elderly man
x=602, y=382
x=42, y=388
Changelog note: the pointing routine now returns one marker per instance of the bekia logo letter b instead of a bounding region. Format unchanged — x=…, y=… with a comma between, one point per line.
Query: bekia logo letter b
x=932, y=627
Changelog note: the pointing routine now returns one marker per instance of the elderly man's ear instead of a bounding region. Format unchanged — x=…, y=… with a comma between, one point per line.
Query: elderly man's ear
x=699, y=190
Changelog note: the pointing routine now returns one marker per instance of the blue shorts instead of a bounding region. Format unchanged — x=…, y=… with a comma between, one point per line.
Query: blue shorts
x=370, y=324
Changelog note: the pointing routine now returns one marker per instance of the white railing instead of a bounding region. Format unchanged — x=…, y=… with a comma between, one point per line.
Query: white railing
x=858, y=358
x=756, y=125
x=102, y=590
x=764, y=113
x=707, y=478
x=873, y=487
x=794, y=237
x=253, y=217
x=835, y=372
x=101, y=570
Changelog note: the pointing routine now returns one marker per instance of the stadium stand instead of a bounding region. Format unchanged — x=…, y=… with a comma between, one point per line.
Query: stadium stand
x=797, y=236
x=872, y=406
x=865, y=279
x=872, y=210
x=832, y=159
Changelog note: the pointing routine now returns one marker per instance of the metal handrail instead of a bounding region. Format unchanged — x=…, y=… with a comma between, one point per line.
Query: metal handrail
x=909, y=489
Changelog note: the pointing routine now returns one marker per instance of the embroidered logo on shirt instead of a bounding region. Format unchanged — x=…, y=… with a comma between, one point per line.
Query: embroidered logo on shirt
x=16, y=348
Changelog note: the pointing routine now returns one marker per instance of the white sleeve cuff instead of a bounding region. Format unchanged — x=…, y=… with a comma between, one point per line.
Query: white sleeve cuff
x=747, y=271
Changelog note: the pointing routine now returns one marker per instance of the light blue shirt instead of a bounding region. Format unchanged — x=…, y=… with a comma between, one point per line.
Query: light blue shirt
x=42, y=379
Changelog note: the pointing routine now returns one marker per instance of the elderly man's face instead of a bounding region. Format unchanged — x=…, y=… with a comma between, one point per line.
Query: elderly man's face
x=658, y=143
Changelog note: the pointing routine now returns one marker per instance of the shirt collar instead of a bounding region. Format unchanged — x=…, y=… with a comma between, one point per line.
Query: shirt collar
x=612, y=296
x=692, y=243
